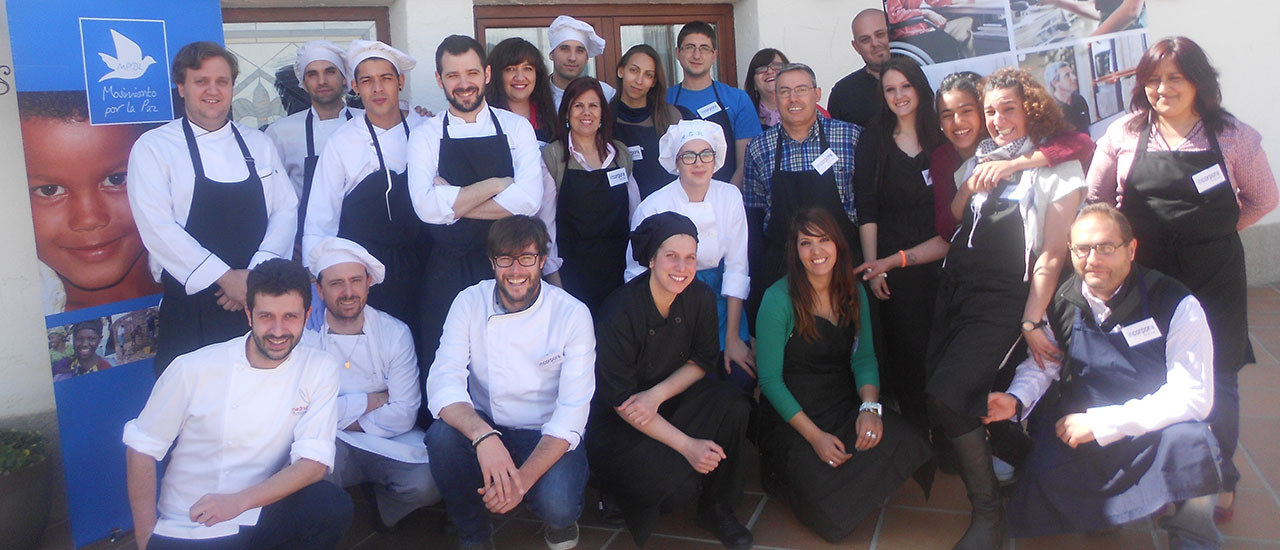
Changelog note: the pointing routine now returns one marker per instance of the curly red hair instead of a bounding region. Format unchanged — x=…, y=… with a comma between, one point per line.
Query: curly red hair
x=1044, y=115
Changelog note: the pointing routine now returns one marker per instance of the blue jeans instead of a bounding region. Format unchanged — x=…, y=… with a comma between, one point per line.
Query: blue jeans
x=314, y=517
x=556, y=497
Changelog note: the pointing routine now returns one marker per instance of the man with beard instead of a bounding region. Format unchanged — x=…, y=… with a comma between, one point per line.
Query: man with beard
x=573, y=44
x=468, y=166
x=210, y=202
x=85, y=337
x=321, y=68
x=378, y=393
x=853, y=98
x=361, y=188
x=253, y=419
x=512, y=383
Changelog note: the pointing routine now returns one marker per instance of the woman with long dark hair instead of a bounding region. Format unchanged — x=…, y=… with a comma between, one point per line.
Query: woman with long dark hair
x=642, y=114
x=837, y=452
x=1190, y=176
x=901, y=247
x=595, y=194
x=519, y=83
x=761, y=74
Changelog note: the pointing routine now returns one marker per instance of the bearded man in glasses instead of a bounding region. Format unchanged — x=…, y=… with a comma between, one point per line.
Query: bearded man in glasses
x=512, y=383
x=1119, y=428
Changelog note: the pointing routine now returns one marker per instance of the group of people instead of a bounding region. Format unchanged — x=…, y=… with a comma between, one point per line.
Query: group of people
x=877, y=274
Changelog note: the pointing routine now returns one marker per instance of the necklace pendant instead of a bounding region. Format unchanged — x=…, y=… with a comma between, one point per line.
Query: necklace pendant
x=348, y=364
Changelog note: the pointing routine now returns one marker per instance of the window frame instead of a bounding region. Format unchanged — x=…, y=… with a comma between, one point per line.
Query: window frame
x=380, y=16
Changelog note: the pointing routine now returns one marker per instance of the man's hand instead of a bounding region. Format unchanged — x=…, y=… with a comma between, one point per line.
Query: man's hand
x=641, y=407
x=1000, y=406
x=503, y=489
x=376, y=399
x=232, y=289
x=703, y=455
x=213, y=509
x=830, y=449
x=1074, y=430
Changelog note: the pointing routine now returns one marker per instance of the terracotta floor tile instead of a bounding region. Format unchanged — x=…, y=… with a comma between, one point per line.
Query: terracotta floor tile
x=1123, y=539
x=624, y=542
x=1260, y=437
x=1241, y=544
x=1262, y=377
x=779, y=527
x=1249, y=478
x=524, y=534
x=1257, y=516
x=1259, y=401
x=681, y=522
x=948, y=494
x=1268, y=337
x=917, y=529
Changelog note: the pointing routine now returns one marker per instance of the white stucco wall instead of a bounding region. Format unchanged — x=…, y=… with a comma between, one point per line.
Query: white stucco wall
x=417, y=27
x=814, y=32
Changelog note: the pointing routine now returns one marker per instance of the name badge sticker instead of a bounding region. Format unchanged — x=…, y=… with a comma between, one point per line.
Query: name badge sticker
x=617, y=176
x=825, y=161
x=1209, y=178
x=708, y=110
x=928, y=178
x=553, y=360
x=637, y=152
x=1141, y=332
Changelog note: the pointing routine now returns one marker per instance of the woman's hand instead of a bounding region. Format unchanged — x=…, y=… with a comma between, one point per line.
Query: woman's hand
x=703, y=455
x=875, y=271
x=987, y=174
x=870, y=430
x=1041, y=348
x=735, y=350
x=640, y=408
x=829, y=449
x=880, y=288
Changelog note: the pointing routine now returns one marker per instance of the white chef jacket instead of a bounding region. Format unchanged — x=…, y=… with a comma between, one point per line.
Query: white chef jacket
x=557, y=93
x=347, y=158
x=290, y=136
x=434, y=203
x=532, y=369
x=161, y=183
x=381, y=358
x=1186, y=395
x=722, y=231
x=235, y=426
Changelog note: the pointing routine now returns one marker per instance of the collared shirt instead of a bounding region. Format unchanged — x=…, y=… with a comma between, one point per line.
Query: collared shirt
x=798, y=157
x=722, y=231
x=290, y=136
x=532, y=369
x=1186, y=395
x=161, y=184
x=633, y=188
x=235, y=426
x=347, y=158
x=557, y=93
x=434, y=203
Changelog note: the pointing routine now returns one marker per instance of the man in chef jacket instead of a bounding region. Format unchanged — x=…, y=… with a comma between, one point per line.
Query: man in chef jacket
x=573, y=44
x=247, y=426
x=379, y=394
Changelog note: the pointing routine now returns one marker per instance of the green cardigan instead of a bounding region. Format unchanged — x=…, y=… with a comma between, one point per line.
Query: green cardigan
x=774, y=326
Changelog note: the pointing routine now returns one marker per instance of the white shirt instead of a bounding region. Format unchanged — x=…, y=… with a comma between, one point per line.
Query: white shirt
x=290, y=136
x=235, y=426
x=557, y=93
x=722, y=231
x=347, y=158
x=1186, y=395
x=380, y=358
x=161, y=183
x=532, y=369
x=434, y=203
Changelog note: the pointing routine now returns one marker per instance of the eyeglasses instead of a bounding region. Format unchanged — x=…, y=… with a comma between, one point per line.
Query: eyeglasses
x=1103, y=249
x=527, y=260
x=690, y=157
x=690, y=48
x=775, y=67
x=799, y=91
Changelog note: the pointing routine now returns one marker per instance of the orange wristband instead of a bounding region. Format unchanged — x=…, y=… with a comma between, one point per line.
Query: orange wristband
x=903, y=253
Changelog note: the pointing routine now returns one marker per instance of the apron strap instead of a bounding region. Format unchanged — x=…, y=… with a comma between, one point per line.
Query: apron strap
x=244, y=149
x=311, y=143
x=777, y=153
x=382, y=163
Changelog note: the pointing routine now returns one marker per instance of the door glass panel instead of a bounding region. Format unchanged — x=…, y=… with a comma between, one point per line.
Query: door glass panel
x=663, y=39
x=535, y=35
x=266, y=52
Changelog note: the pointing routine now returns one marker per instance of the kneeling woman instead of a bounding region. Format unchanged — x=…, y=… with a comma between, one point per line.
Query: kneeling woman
x=826, y=433
x=658, y=423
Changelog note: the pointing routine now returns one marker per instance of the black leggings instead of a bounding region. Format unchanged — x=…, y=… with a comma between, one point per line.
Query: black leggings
x=953, y=424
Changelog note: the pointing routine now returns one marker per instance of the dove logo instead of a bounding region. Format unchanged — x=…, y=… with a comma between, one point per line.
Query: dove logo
x=128, y=62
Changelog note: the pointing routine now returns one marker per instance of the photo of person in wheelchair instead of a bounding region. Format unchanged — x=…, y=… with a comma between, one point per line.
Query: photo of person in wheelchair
x=938, y=31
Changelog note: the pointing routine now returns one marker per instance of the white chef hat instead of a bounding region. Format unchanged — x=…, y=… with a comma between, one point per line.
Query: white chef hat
x=332, y=251
x=568, y=28
x=360, y=50
x=319, y=50
x=685, y=131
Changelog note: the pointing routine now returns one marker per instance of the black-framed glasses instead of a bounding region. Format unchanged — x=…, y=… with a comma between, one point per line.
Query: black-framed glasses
x=527, y=260
x=690, y=157
x=1103, y=249
x=775, y=67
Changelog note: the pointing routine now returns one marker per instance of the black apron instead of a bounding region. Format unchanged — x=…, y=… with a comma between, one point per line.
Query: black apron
x=721, y=118
x=981, y=296
x=229, y=220
x=378, y=215
x=592, y=227
x=649, y=174
x=309, y=171
x=1192, y=237
x=458, y=258
x=1092, y=487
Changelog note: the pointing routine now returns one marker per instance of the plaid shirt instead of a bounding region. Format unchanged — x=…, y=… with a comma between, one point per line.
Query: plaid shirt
x=841, y=136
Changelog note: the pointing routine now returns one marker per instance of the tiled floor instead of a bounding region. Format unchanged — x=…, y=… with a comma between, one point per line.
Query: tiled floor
x=908, y=522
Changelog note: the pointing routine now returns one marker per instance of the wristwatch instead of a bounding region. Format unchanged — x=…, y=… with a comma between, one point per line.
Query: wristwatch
x=873, y=407
x=1028, y=326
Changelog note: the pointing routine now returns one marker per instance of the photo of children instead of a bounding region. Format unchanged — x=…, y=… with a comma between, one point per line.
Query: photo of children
x=88, y=350
x=97, y=344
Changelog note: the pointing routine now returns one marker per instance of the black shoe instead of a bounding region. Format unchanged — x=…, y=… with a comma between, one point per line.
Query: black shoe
x=372, y=499
x=986, y=528
x=719, y=520
x=608, y=512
